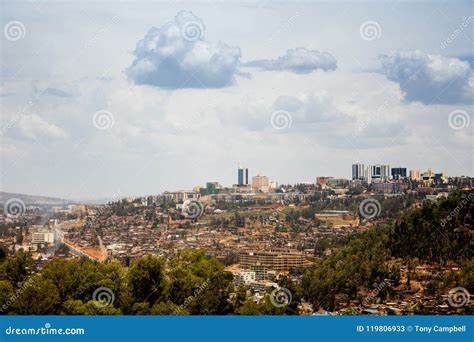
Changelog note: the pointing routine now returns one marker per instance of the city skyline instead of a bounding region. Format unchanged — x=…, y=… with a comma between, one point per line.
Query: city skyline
x=358, y=174
x=167, y=96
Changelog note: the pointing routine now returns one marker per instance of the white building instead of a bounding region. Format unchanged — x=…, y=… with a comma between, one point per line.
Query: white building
x=244, y=277
x=42, y=237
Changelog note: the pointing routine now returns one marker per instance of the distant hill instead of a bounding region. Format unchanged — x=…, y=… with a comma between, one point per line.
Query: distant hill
x=33, y=200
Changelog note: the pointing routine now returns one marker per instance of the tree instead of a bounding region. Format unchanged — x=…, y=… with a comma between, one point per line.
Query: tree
x=39, y=297
x=147, y=279
x=6, y=295
x=200, y=283
x=91, y=308
x=17, y=269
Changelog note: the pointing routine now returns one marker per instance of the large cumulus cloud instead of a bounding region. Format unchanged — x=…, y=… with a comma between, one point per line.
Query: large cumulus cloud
x=429, y=78
x=177, y=55
x=299, y=60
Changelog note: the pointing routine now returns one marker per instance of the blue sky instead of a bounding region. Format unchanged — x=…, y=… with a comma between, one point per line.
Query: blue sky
x=101, y=97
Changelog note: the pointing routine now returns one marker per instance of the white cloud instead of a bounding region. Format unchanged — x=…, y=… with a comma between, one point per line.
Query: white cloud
x=34, y=127
x=308, y=111
x=299, y=60
x=178, y=56
x=429, y=78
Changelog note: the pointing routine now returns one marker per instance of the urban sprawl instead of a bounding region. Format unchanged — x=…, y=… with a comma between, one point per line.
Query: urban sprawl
x=259, y=229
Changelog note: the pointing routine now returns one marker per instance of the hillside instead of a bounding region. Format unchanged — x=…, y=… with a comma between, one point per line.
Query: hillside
x=33, y=199
x=437, y=235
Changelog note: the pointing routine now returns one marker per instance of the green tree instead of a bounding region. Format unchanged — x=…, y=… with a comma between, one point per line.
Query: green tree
x=200, y=283
x=39, y=297
x=91, y=308
x=17, y=269
x=147, y=280
x=6, y=293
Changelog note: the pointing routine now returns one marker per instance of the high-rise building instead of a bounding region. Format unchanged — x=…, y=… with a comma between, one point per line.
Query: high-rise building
x=385, y=172
x=368, y=174
x=428, y=176
x=375, y=172
x=399, y=172
x=242, y=176
x=260, y=183
x=358, y=171
x=380, y=171
x=415, y=175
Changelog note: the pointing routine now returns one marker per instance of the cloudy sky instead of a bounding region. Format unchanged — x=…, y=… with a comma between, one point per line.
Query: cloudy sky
x=140, y=97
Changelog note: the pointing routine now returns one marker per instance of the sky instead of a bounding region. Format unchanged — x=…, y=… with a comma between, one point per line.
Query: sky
x=106, y=97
